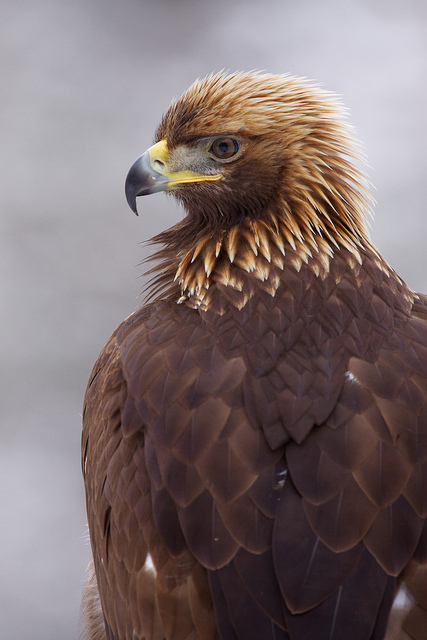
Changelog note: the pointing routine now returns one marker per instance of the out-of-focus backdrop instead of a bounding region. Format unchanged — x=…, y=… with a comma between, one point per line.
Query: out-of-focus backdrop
x=82, y=86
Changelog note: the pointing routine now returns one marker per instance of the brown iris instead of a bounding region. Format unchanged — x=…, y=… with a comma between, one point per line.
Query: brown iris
x=224, y=148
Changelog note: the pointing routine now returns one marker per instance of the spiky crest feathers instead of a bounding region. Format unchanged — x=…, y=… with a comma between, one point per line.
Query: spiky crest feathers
x=321, y=198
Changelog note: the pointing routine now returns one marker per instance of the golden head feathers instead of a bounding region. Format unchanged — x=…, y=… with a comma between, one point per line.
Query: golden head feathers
x=291, y=179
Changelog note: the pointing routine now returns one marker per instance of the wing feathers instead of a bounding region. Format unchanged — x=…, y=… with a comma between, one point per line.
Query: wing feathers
x=351, y=611
x=307, y=570
x=384, y=474
x=394, y=536
x=319, y=479
x=345, y=519
x=205, y=532
x=247, y=619
x=416, y=490
x=269, y=456
x=257, y=573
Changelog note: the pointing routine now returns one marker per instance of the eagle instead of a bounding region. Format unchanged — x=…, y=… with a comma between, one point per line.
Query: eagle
x=254, y=444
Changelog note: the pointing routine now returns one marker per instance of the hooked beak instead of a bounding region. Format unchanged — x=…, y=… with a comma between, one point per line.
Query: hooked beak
x=150, y=173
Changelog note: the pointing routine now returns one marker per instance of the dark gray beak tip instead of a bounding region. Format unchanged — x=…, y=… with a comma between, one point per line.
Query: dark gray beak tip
x=142, y=180
x=131, y=200
x=133, y=184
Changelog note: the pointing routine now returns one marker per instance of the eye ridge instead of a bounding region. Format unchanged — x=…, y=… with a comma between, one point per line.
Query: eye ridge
x=224, y=148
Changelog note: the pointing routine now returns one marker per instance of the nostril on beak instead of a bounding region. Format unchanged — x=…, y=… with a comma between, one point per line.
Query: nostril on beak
x=158, y=165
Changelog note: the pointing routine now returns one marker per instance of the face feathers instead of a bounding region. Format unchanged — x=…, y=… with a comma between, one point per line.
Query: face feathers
x=291, y=192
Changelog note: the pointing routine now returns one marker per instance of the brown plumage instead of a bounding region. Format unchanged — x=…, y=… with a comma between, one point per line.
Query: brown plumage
x=255, y=436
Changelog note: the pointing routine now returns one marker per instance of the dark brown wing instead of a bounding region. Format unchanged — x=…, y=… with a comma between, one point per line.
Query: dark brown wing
x=138, y=602
x=415, y=622
x=271, y=459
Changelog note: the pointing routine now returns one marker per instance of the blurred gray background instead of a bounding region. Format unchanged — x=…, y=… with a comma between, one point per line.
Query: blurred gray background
x=83, y=84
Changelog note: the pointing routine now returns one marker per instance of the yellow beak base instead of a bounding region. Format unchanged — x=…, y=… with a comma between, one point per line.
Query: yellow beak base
x=150, y=173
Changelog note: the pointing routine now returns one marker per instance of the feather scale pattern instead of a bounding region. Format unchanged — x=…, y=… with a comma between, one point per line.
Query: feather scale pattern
x=255, y=436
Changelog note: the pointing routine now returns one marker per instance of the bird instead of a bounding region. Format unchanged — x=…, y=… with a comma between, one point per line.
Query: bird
x=254, y=445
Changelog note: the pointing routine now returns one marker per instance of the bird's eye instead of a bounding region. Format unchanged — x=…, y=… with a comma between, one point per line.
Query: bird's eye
x=224, y=148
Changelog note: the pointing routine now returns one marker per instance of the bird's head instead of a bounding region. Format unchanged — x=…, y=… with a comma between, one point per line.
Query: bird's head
x=248, y=144
x=249, y=156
